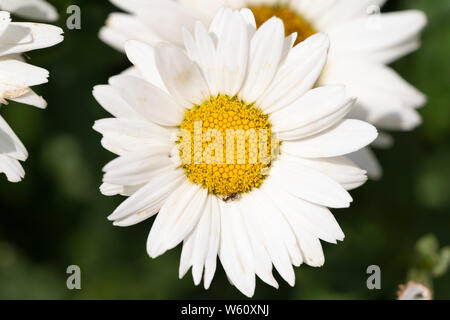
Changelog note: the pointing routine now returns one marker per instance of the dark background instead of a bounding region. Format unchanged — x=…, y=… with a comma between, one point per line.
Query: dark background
x=56, y=217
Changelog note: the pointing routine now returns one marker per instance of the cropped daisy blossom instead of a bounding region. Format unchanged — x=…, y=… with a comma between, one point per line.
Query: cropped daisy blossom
x=30, y=9
x=362, y=45
x=224, y=139
x=16, y=78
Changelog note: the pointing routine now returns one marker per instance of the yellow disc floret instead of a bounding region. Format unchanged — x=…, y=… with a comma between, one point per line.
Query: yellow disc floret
x=226, y=145
x=293, y=22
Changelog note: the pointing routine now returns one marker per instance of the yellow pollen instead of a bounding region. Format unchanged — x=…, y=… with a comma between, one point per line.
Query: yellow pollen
x=225, y=146
x=293, y=22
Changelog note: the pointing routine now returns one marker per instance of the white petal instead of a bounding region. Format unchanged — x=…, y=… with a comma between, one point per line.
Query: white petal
x=148, y=101
x=384, y=98
x=299, y=212
x=143, y=57
x=18, y=152
x=178, y=200
x=157, y=13
x=203, y=52
x=108, y=189
x=11, y=168
x=114, y=38
x=334, y=12
x=139, y=168
x=7, y=144
x=121, y=27
x=181, y=76
x=24, y=36
x=263, y=262
x=31, y=9
x=383, y=141
x=368, y=34
x=309, y=184
x=340, y=169
x=346, y=137
x=366, y=159
x=278, y=237
x=266, y=49
x=32, y=99
x=297, y=74
x=235, y=250
x=232, y=55
x=20, y=74
x=389, y=55
x=217, y=26
x=151, y=196
x=201, y=246
x=130, y=135
x=316, y=111
x=249, y=19
x=5, y=20
x=186, y=255
x=110, y=99
x=202, y=233
x=311, y=249
x=183, y=221
x=214, y=240
x=206, y=7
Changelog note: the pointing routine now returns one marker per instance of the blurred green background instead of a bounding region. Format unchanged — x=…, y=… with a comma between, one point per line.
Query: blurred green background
x=57, y=217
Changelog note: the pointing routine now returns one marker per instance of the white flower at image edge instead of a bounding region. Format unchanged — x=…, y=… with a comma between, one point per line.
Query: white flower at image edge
x=278, y=222
x=16, y=78
x=361, y=47
x=30, y=9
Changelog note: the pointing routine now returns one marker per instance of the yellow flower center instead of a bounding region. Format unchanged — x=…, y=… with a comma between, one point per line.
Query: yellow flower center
x=226, y=145
x=293, y=22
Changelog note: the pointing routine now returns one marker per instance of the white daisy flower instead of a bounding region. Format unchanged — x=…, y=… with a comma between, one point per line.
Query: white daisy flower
x=16, y=77
x=172, y=114
x=361, y=47
x=30, y=9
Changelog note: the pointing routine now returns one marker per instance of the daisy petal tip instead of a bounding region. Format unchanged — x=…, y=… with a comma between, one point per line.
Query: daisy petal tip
x=118, y=224
x=422, y=100
x=373, y=133
x=151, y=253
x=246, y=11
x=292, y=283
x=321, y=38
x=95, y=90
x=421, y=18
x=413, y=123
x=273, y=22
x=248, y=293
x=95, y=126
x=275, y=284
x=154, y=251
x=197, y=280
x=131, y=45
x=43, y=104
x=182, y=272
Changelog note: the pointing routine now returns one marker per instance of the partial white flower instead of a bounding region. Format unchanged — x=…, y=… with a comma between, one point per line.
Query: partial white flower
x=232, y=76
x=16, y=78
x=361, y=47
x=30, y=9
x=414, y=291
